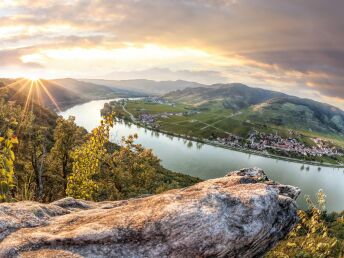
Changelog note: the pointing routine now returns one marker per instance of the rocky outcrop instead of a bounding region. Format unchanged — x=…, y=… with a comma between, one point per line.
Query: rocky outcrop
x=240, y=215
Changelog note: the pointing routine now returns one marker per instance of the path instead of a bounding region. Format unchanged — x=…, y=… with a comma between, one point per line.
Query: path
x=130, y=114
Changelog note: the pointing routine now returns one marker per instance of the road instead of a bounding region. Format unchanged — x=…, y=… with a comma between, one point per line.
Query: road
x=130, y=114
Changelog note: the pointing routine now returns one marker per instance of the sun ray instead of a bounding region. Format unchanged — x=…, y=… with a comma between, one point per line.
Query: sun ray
x=49, y=95
x=38, y=94
x=23, y=87
x=28, y=98
x=14, y=83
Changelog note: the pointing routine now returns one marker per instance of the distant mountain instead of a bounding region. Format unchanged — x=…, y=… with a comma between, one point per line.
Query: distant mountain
x=43, y=116
x=265, y=107
x=43, y=92
x=90, y=90
x=234, y=96
x=60, y=93
x=146, y=86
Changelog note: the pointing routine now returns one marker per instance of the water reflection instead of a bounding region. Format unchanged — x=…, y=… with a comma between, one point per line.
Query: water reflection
x=199, y=145
x=190, y=144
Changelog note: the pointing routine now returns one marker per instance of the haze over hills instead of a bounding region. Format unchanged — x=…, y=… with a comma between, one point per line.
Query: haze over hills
x=265, y=107
x=45, y=93
x=234, y=96
x=61, y=93
x=247, y=103
x=90, y=90
x=144, y=86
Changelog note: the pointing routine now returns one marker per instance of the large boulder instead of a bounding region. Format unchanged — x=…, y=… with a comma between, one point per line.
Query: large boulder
x=240, y=215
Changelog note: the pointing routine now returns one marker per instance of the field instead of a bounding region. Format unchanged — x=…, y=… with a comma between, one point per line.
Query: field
x=211, y=121
x=215, y=121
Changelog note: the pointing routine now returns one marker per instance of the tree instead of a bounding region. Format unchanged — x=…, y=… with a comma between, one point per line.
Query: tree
x=67, y=136
x=6, y=164
x=38, y=150
x=9, y=115
x=310, y=237
x=131, y=168
x=99, y=174
x=87, y=159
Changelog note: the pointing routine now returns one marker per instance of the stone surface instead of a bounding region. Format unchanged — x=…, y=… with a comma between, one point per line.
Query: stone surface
x=240, y=215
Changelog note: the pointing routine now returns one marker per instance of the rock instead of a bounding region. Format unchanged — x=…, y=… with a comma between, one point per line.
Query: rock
x=240, y=215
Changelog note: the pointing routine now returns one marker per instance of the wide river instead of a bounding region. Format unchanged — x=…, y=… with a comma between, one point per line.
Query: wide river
x=206, y=161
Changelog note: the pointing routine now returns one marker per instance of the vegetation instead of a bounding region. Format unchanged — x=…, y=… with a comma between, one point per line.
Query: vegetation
x=6, y=164
x=43, y=157
x=212, y=120
x=317, y=234
x=129, y=170
x=269, y=108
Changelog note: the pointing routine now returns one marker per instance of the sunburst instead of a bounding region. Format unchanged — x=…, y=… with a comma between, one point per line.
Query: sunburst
x=34, y=89
x=33, y=77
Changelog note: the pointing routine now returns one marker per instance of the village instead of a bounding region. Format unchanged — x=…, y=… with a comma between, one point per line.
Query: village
x=260, y=141
x=267, y=142
x=255, y=140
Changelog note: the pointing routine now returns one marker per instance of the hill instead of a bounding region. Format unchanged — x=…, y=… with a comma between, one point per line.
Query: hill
x=265, y=107
x=42, y=116
x=89, y=90
x=60, y=93
x=42, y=92
x=148, y=87
x=302, y=114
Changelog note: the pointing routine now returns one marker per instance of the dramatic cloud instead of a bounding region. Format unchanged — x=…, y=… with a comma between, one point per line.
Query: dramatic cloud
x=295, y=46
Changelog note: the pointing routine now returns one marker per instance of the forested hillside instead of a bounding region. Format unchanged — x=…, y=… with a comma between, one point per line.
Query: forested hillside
x=39, y=158
x=60, y=94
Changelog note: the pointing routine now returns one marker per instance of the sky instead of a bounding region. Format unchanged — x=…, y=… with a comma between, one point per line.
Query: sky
x=294, y=46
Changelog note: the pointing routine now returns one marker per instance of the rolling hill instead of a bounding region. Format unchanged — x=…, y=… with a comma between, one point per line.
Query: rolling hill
x=265, y=107
x=89, y=90
x=148, y=87
x=43, y=92
x=61, y=93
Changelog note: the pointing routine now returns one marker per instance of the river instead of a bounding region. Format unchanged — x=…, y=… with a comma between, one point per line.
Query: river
x=206, y=161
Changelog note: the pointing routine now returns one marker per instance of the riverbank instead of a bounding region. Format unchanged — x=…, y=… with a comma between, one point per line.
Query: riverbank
x=207, y=161
x=248, y=151
x=166, y=113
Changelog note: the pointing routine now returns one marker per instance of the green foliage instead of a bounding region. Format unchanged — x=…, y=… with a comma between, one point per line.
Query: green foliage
x=103, y=172
x=6, y=164
x=67, y=136
x=131, y=169
x=87, y=159
x=52, y=150
x=312, y=236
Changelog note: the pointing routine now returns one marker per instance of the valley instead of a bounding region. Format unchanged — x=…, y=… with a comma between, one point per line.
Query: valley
x=226, y=128
x=206, y=161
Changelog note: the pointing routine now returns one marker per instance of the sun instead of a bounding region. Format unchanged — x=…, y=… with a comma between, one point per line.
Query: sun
x=32, y=77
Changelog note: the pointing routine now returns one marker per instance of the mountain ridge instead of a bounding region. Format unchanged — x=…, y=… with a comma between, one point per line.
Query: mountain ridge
x=149, y=87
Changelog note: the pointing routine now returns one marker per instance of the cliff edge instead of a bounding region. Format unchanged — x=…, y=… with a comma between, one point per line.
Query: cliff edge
x=240, y=215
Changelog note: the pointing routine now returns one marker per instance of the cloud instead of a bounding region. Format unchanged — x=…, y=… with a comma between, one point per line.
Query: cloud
x=13, y=58
x=298, y=43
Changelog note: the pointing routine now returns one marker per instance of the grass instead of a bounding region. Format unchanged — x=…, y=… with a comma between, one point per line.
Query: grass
x=139, y=107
